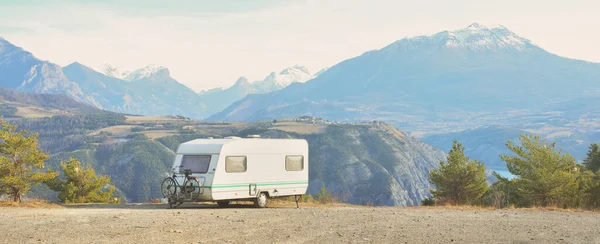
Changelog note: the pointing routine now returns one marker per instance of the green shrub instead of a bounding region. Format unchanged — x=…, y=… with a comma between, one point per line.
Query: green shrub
x=324, y=196
x=429, y=202
x=308, y=198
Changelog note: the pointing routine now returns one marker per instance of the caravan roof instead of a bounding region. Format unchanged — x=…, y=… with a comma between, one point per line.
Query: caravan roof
x=243, y=145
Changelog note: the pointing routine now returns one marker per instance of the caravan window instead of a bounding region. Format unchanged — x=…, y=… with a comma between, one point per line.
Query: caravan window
x=195, y=163
x=294, y=163
x=236, y=164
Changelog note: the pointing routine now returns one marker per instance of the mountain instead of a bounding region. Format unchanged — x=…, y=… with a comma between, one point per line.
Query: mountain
x=452, y=80
x=152, y=91
x=218, y=99
x=157, y=93
x=285, y=78
x=150, y=71
x=110, y=92
x=321, y=71
x=114, y=72
x=20, y=70
x=147, y=91
x=371, y=164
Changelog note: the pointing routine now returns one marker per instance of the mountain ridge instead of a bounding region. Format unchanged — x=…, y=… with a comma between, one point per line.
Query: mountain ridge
x=22, y=71
x=400, y=75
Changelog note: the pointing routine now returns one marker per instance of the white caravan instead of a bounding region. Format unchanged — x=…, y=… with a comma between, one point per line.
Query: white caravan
x=244, y=168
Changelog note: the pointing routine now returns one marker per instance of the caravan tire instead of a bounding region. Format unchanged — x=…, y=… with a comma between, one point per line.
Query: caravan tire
x=261, y=201
x=223, y=203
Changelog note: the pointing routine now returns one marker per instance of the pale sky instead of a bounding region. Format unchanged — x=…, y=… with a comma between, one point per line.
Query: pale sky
x=207, y=44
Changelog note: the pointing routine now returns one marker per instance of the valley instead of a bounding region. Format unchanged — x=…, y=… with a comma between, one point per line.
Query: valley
x=360, y=163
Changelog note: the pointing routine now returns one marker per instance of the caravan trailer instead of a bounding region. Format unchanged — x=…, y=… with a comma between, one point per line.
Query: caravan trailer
x=235, y=169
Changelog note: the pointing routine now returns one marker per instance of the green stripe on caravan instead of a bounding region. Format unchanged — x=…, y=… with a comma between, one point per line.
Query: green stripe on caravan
x=258, y=184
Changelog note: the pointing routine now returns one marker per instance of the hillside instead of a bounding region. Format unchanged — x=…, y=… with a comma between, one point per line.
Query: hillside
x=15, y=104
x=370, y=163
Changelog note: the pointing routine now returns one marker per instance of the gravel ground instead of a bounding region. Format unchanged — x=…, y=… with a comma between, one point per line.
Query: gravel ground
x=335, y=224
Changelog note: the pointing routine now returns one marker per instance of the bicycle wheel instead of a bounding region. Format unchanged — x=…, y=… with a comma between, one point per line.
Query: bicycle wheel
x=168, y=188
x=192, y=188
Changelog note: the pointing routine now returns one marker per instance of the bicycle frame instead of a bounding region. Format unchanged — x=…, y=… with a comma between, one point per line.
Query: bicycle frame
x=181, y=187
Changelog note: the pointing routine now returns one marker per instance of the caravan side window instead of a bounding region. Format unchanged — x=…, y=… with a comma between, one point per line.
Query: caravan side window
x=294, y=163
x=236, y=164
x=195, y=163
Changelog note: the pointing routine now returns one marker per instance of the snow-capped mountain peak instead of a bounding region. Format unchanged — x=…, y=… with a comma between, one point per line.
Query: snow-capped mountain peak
x=147, y=72
x=475, y=37
x=289, y=75
x=295, y=69
x=478, y=37
x=114, y=72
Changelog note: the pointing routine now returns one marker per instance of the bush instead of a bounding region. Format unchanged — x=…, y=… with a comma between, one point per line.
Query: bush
x=308, y=198
x=324, y=196
x=138, y=129
x=429, y=202
x=137, y=136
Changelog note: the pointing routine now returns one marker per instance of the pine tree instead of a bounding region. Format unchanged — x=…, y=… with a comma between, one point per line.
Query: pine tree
x=544, y=175
x=21, y=162
x=81, y=185
x=324, y=196
x=460, y=180
x=592, y=162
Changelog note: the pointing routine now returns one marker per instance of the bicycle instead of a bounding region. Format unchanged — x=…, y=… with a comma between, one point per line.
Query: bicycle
x=189, y=190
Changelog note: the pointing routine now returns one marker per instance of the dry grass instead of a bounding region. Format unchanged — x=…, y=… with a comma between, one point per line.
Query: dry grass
x=117, y=130
x=454, y=207
x=29, y=204
x=556, y=209
x=154, y=134
x=532, y=209
x=300, y=128
x=289, y=202
x=144, y=119
x=35, y=112
x=281, y=204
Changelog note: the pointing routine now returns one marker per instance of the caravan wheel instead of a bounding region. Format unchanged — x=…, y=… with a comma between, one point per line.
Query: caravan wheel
x=261, y=200
x=223, y=203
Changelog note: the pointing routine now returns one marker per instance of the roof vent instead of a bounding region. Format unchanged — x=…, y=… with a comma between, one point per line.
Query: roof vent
x=253, y=136
x=232, y=137
x=210, y=137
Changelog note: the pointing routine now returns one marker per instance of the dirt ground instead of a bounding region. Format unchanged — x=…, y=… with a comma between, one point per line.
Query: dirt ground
x=285, y=224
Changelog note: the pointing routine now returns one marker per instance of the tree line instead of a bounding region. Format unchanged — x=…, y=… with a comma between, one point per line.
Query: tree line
x=22, y=165
x=544, y=177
